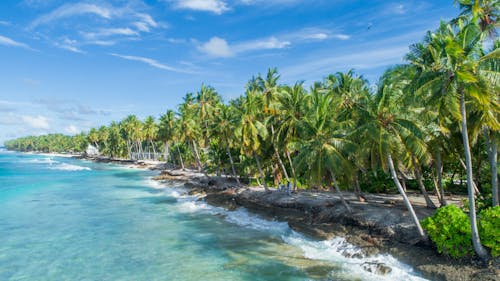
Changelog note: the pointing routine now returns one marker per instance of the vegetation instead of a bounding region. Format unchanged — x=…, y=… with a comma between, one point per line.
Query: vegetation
x=489, y=224
x=430, y=124
x=449, y=228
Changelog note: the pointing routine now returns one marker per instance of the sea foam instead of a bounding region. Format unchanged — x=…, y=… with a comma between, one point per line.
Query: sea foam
x=69, y=167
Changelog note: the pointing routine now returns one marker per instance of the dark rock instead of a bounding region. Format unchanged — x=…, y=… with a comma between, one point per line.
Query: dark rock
x=377, y=268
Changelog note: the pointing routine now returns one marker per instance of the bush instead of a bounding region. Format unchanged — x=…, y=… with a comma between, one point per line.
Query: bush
x=449, y=229
x=489, y=229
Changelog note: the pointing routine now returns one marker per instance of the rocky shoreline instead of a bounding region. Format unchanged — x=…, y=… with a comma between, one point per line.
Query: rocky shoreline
x=379, y=225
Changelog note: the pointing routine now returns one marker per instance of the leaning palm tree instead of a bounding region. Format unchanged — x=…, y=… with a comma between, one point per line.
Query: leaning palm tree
x=448, y=70
x=388, y=133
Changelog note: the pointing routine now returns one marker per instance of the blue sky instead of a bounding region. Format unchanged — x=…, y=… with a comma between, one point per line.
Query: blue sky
x=67, y=66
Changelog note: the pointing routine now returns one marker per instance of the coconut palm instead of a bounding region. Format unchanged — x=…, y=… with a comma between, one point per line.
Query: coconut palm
x=387, y=132
x=448, y=69
x=484, y=12
x=251, y=129
x=223, y=128
x=166, y=131
x=291, y=101
x=150, y=131
x=323, y=145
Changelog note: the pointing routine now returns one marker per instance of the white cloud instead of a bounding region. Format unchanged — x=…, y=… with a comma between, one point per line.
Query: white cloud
x=72, y=130
x=151, y=62
x=215, y=6
x=71, y=10
x=37, y=122
x=9, y=42
x=107, y=32
x=342, y=36
x=316, y=36
x=69, y=45
x=218, y=47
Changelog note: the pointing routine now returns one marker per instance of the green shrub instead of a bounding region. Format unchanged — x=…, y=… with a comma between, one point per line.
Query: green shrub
x=449, y=229
x=489, y=229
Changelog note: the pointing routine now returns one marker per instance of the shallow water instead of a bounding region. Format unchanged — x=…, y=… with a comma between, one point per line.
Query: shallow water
x=67, y=219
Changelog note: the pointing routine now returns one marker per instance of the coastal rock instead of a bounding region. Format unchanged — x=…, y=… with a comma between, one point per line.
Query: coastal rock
x=377, y=268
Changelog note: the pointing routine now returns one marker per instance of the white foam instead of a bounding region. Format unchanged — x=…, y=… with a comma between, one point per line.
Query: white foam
x=338, y=250
x=69, y=167
x=244, y=218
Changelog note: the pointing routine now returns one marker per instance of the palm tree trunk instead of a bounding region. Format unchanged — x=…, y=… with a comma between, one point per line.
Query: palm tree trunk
x=476, y=242
x=492, y=147
x=428, y=201
x=129, y=149
x=439, y=173
x=405, y=198
x=260, y=171
x=476, y=190
x=166, y=151
x=180, y=157
x=293, y=170
x=154, y=150
x=198, y=161
x=337, y=189
x=228, y=150
x=276, y=152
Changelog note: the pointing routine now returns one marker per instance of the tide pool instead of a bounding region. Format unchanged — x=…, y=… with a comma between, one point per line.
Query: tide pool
x=68, y=219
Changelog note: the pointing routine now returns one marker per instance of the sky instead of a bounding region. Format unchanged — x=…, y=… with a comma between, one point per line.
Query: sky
x=67, y=66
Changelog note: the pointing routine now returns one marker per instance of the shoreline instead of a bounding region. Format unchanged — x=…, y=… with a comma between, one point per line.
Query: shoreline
x=373, y=226
x=380, y=225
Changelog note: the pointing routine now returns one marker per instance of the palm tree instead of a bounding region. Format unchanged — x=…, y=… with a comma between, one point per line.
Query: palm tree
x=323, y=145
x=166, y=131
x=251, y=130
x=190, y=126
x=93, y=137
x=291, y=103
x=150, y=131
x=269, y=88
x=387, y=132
x=224, y=127
x=207, y=99
x=448, y=69
x=484, y=12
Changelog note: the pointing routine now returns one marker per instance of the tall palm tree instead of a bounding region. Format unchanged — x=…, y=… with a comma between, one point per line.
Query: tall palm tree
x=224, y=127
x=448, y=69
x=270, y=88
x=150, y=130
x=291, y=101
x=323, y=145
x=207, y=99
x=252, y=130
x=166, y=131
x=388, y=133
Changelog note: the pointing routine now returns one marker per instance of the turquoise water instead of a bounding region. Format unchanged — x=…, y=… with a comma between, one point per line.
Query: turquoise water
x=68, y=219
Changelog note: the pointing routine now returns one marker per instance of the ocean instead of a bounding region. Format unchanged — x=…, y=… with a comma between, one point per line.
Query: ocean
x=69, y=219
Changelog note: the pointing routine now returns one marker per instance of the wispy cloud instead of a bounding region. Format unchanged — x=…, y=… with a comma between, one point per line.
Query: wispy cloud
x=6, y=41
x=214, y=6
x=69, y=45
x=151, y=62
x=71, y=10
x=219, y=47
x=108, y=32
